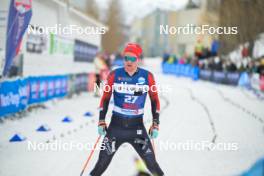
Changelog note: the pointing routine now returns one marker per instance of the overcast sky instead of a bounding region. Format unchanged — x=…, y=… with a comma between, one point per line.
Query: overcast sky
x=139, y=8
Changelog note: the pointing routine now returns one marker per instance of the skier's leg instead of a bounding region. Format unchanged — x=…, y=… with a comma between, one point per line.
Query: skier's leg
x=143, y=146
x=108, y=148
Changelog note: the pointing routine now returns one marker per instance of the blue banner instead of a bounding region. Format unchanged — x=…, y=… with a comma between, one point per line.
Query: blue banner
x=14, y=96
x=185, y=70
x=244, y=80
x=18, y=19
x=223, y=77
x=84, y=52
x=206, y=75
x=47, y=87
x=232, y=78
x=17, y=95
x=219, y=77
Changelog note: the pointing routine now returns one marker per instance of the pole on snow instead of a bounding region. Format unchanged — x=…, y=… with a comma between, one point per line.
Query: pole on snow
x=90, y=155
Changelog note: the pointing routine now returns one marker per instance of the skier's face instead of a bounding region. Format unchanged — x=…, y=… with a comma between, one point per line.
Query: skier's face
x=130, y=63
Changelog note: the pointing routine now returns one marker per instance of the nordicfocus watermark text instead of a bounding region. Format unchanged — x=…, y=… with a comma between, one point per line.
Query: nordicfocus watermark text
x=123, y=87
x=190, y=29
x=191, y=145
x=61, y=146
x=161, y=145
x=59, y=29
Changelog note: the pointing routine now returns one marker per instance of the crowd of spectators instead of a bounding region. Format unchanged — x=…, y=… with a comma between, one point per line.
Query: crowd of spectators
x=209, y=59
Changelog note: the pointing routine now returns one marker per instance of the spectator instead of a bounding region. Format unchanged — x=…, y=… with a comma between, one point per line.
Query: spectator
x=211, y=64
x=205, y=53
x=245, y=52
x=214, y=48
x=231, y=67
x=261, y=67
x=198, y=49
x=218, y=66
x=172, y=59
x=107, y=60
x=165, y=57
x=100, y=65
x=252, y=67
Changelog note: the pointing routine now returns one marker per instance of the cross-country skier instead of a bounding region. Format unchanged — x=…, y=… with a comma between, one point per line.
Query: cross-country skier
x=130, y=86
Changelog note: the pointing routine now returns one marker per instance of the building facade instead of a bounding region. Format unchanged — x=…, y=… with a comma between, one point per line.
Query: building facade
x=147, y=30
x=65, y=40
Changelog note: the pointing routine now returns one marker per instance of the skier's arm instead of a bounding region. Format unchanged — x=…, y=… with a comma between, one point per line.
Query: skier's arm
x=154, y=99
x=106, y=96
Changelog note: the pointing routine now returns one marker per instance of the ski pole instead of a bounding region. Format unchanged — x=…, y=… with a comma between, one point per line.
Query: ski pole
x=90, y=155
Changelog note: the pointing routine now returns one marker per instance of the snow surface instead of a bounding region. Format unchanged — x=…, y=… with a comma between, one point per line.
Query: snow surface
x=236, y=116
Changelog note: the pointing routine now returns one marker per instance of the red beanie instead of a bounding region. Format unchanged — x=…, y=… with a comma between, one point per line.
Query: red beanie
x=134, y=49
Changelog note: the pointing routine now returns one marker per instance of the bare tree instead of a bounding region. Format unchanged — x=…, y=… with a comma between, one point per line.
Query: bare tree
x=92, y=9
x=247, y=15
x=112, y=40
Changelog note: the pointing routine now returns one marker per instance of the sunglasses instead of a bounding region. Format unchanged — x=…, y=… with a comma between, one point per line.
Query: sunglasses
x=130, y=58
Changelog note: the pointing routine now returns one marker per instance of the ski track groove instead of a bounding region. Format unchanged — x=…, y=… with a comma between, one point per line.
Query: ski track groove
x=239, y=106
x=211, y=122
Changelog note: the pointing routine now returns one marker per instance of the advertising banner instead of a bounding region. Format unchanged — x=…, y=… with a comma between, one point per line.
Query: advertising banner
x=219, y=77
x=36, y=41
x=206, y=75
x=19, y=94
x=18, y=19
x=60, y=46
x=14, y=96
x=84, y=52
x=232, y=78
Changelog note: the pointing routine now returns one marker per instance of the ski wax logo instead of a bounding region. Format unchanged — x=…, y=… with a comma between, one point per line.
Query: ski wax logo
x=141, y=80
